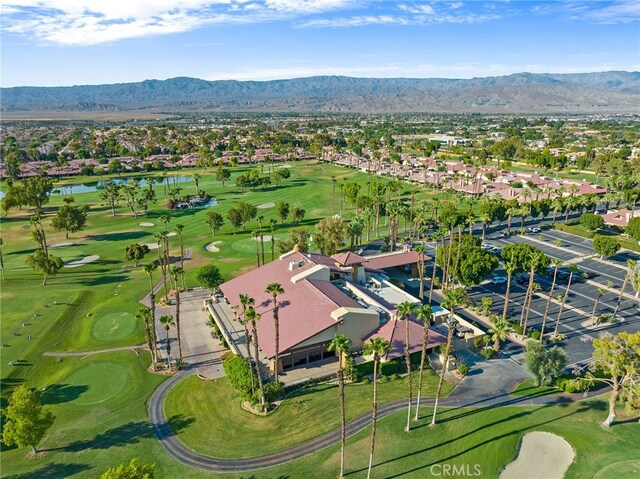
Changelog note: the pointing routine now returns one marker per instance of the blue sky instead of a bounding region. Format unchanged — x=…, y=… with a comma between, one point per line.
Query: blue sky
x=67, y=42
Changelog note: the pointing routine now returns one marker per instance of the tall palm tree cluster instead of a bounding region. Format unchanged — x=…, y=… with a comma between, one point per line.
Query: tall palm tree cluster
x=172, y=279
x=378, y=348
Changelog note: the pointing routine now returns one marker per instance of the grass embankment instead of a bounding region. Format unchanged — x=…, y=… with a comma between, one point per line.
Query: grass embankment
x=579, y=230
x=221, y=426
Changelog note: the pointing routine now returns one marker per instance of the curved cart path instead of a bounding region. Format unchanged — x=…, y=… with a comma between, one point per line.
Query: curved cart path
x=459, y=398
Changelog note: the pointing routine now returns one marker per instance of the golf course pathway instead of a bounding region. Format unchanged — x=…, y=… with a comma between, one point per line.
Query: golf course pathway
x=89, y=353
x=461, y=397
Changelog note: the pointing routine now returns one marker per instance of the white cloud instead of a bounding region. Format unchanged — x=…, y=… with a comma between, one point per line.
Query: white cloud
x=417, y=9
x=358, y=21
x=307, y=6
x=91, y=22
x=611, y=12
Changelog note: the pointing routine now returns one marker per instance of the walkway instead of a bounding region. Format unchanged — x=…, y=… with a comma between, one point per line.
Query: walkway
x=97, y=351
x=488, y=385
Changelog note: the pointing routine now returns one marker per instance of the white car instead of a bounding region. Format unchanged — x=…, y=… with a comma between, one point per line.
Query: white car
x=498, y=280
x=486, y=246
x=533, y=230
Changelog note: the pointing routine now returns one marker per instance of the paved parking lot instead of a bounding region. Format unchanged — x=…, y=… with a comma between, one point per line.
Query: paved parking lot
x=570, y=248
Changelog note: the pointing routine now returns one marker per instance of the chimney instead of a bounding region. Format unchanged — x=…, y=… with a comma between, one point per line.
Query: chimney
x=293, y=265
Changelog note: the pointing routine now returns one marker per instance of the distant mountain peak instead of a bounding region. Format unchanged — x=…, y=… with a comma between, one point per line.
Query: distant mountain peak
x=602, y=92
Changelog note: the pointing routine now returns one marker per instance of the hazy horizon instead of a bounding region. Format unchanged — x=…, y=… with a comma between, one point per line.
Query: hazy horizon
x=91, y=42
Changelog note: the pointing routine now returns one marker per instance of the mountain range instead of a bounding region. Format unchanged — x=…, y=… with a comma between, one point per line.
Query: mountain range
x=602, y=92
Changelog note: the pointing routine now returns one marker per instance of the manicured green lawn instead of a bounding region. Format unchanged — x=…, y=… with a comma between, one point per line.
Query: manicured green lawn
x=579, y=230
x=100, y=400
x=528, y=388
x=221, y=426
x=93, y=306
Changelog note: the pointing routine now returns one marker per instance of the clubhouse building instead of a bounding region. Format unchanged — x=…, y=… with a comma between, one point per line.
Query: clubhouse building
x=323, y=296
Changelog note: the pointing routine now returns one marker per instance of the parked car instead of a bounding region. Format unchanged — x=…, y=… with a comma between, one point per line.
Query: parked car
x=533, y=229
x=486, y=246
x=498, y=280
x=496, y=250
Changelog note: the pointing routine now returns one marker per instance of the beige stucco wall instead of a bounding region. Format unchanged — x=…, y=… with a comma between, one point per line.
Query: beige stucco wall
x=356, y=324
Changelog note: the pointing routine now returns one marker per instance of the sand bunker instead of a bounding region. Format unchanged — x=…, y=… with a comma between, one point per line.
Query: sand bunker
x=146, y=224
x=265, y=238
x=541, y=454
x=81, y=262
x=60, y=245
x=212, y=248
x=152, y=245
x=172, y=233
x=265, y=206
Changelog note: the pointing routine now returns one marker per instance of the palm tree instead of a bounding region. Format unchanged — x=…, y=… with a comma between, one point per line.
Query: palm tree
x=196, y=179
x=572, y=270
x=499, y=333
x=435, y=236
x=556, y=263
x=272, y=225
x=260, y=220
x=175, y=272
x=275, y=289
x=166, y=322
x=149, y=269
x=247, y=301
x=179, y=228
x=420, y=250
x=256, y=235
x=486, y=219
x=452, y=299
x=537, y=259
x=341, y=345
x=631, y=266
x=254, y=317
x=601, y=292
x=405, y=310
x=144, y=314
x=160, y=240
x=424, y=314
x=511, y=267
x=377, y=347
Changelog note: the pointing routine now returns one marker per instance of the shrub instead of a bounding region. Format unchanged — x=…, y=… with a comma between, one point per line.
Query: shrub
x=546, y=365
x=518, y=329
x=390, y=367
x=487, y=353
x=572, y=385
x=366, y=381
x=535, y=335
x=591, y=222
x=384, y=379
x=351, y=372
x=393, y=377
x=463, y=369
x=478, y=343
x=365, y=369
x=238, y=371
x=273, y=390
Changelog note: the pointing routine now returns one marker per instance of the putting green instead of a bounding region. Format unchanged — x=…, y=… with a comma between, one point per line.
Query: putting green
x=248, y=245
x=102, y=380
x=114, y=326
x=619, y=469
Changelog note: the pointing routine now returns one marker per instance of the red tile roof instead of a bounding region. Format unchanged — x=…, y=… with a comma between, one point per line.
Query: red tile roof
x=391, y=260
x=349, y=258
x=304, y=309
x=394, y=332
